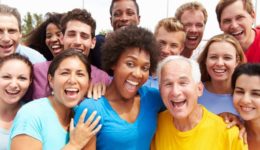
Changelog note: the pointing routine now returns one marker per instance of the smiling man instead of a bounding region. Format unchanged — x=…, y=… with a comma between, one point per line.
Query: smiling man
x=236, y=17
x=186, y=124
x=10, y=35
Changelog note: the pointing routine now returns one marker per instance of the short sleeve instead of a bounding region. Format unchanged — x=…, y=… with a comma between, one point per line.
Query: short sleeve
x=26, y=122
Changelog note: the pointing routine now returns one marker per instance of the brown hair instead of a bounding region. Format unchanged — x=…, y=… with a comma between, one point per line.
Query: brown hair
x=240, y=57
x=7, y=10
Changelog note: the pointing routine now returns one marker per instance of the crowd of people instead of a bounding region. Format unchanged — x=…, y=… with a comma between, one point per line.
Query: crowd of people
x=65, y=87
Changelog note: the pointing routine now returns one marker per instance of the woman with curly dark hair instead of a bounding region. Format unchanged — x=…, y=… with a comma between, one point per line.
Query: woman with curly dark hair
x=128, y=110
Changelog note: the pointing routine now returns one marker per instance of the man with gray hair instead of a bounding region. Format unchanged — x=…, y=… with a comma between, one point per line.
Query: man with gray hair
x=10, y=35
x=186, y=124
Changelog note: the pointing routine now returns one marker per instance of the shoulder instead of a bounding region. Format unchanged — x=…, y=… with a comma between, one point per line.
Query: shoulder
x=34, y=107
x=98, y=75
x=32, y=54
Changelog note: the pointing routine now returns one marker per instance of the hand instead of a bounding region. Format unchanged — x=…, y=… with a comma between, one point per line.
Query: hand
x=95, y=91
x=83, y=132
x=233, y=120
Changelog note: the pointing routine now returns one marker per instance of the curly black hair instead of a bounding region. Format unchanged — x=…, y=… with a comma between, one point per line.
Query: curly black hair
x=117, y=43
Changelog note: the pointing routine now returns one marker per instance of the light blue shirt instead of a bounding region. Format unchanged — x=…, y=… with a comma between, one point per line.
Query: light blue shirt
x=118, y=134
x=39, y=120
x=152, y=82
x=33, y=55
x=217, y=103
x=4, y=134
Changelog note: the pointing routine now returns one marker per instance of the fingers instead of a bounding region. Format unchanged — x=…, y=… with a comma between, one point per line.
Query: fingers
x=103, y=89
x=82, y=116
x=71, y=125
x=231, y=123
x=90, y=118
x=90, y=89
x=97, y=91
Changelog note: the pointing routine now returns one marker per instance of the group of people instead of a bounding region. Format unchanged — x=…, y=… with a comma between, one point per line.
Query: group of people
x=158, y=90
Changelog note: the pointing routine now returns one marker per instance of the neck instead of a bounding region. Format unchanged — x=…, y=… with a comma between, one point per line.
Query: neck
x=253, y=129
x=245, y=45
x=187, y=52
x=188, y=123
x=8, y=111
x=64, y=113
x=219, y=87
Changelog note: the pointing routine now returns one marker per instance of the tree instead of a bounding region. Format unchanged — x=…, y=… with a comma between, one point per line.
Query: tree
x=31, y=21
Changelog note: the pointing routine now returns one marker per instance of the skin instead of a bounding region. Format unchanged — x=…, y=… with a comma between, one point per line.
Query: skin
x=193, y=21
x=171, y=43
x=9, y=35
x=14, y=82
x=246, y=98
x=221, y=62
x=235, y=20
x=180, y=93
x=78, y=35
x=130, y=72
x=69, y=83
x=53, y=39
x=124, y=13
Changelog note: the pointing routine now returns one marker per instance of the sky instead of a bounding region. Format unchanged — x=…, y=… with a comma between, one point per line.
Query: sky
x=151, y=11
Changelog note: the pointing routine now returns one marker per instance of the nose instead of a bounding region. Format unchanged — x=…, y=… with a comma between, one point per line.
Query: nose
x=13, y=83
x=234, y=24
x=5, y=37
x=192, y=28
x=72, y=79
x=137, y=72
x=54, y=38
x=166, y=50
x=220, y=61
x=175, y=92
x=124, y=17
x=245, y=99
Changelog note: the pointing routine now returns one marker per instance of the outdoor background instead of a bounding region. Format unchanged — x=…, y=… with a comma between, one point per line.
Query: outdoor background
x=151, y=11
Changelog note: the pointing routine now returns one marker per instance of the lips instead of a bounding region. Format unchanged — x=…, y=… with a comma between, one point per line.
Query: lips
x=237, y=34
x=12, y=92
x=72, y=92
x=131, y=86
x=179, y=104
x=246, y=108
x=7, y=48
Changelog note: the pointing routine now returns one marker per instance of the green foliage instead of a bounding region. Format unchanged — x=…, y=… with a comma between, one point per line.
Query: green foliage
x=31, y=21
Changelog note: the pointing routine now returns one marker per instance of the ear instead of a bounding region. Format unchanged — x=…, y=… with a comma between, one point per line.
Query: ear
x=200, y=87
x=252, y=14
x=93, y=42
x=50, y=80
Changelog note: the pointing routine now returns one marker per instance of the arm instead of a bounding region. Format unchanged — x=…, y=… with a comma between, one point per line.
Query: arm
x=233, y=120
x=83, y=132
x=21, y=142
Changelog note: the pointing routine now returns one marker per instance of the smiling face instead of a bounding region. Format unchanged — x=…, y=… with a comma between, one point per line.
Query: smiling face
x=178, y=89
x=70, y=82
x=124, y=13
x=130, y=72
x=221, y=61
x=78, y=35
x=171, y=43
x=246, y=97
x=14, y=81
x=9, y=35
x=235, y=20
x=193, y=22
x=53, y=39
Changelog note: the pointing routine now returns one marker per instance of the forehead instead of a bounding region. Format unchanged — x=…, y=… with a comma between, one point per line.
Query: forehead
x=171, y=36
x=135, y=52
x=233, y=9
x=124, y=5
x=8, y=21
x=78, y=26
x=192, y=15
x=175, y=70
x=222, y=47
x=71, y=63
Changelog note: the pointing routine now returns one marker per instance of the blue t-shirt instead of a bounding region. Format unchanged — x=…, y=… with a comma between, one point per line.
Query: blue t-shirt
x=118, y=134
x=152, y=82
x=217, y=103
x=39, y=120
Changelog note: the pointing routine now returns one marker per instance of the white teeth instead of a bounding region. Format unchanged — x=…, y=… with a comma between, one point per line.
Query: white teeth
x=237, y=33
x=245, y=108
x=55, y=46
x=132, y=82
x=219, y=70
x=71, y=90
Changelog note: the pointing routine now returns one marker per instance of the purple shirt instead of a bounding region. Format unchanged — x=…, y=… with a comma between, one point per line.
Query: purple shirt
x=40, y=87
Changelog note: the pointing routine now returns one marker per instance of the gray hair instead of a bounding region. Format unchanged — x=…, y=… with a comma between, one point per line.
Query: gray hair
x=195, y=69
x=7, y=10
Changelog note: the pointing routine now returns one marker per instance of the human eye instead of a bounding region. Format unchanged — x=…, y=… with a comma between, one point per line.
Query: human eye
x=6, y=77
x=167, y=84
x=48, y=36
x=59, y=34
x=256, y=94
x=226, y=21
x=213, y=57
x=85, y=36
x=12, y=31
x=130, y=13
x=238, y=91
x=130, y=64
x=71, y=34
x=81, y=74
x=22, y=78
x=146, y=68
x=64, y=73
x=117, y=14
x=239, y=17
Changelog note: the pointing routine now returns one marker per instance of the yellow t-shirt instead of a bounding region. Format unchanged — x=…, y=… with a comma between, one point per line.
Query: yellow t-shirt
x=210, y=134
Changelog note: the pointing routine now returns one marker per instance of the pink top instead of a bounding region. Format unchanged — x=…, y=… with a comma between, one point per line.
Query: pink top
x=40, y=87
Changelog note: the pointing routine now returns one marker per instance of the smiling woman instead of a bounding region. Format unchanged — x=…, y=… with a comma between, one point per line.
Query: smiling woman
x=68, y=76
